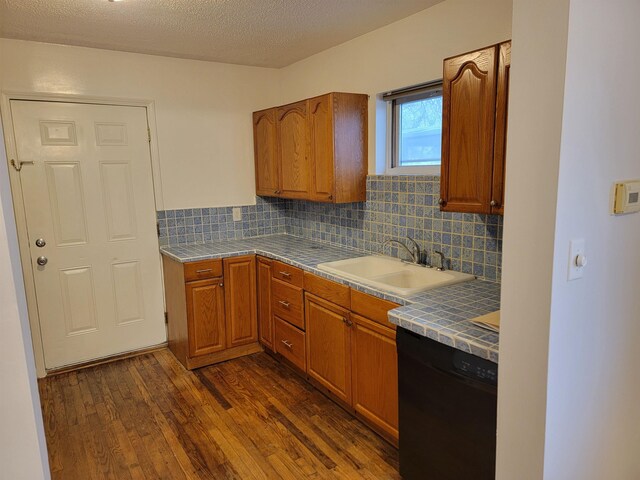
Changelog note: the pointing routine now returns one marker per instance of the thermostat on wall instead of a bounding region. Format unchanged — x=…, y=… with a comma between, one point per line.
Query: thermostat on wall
x=627, y=197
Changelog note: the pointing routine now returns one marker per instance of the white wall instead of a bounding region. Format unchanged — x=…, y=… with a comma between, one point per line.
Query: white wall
x=403, y=53
x=593, y=394
x=533, y=150
x=203, y=110
x=569, y=391
x=23, y=453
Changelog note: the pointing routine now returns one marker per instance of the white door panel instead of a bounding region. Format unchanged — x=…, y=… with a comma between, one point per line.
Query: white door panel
x=89, y=194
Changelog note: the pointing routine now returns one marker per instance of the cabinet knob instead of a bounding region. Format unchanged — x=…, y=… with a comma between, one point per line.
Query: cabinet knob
x=221, y=285
x=441, y=202
x=347, y=322
x=493, y=203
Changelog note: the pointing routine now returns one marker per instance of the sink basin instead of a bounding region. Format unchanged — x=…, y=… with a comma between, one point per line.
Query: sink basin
x=393, y=275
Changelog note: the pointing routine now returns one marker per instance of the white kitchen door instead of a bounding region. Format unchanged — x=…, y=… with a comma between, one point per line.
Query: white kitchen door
x=88, y=197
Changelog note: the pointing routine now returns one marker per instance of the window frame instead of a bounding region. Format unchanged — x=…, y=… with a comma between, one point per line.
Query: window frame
x=393, y=100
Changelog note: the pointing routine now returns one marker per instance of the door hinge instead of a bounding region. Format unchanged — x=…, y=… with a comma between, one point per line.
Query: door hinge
x=149, y=134
x=166, y=318
x=158, y=229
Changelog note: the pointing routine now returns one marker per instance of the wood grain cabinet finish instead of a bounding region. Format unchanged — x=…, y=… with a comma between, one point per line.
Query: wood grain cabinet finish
x=500, y=142
x=329, y=346
x=375, y=375
x=474, y=130
x=265, y=315
x=240, y=300
x=212, y=318
x=321, y=146
x=293, y=150
x=205, y=317
x=266, y=152
x=290, y=343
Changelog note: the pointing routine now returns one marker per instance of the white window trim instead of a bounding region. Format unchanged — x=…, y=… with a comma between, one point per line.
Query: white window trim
x=389, y=168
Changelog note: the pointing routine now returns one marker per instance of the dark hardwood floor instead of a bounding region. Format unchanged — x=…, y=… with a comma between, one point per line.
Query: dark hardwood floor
x=148, y=418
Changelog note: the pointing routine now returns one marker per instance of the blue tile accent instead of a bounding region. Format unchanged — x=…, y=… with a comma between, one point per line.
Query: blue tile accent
x=396, y=206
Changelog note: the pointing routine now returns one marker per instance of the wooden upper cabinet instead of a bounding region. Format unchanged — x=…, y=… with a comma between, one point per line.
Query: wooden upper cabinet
x=293, y=145
x=321, y=146
x=474, y=130
x=266, y=152
x=500, y=144
x=240, y=300
x=205, y=317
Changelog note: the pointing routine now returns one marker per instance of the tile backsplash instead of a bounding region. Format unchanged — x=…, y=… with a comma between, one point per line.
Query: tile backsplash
x=199, y=225
x=396, y=206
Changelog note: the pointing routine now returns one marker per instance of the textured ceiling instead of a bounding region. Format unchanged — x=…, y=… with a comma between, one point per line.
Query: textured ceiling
x=267, y=33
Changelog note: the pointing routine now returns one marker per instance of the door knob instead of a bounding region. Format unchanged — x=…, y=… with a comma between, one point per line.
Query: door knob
x=42, y=261
x=40, y=242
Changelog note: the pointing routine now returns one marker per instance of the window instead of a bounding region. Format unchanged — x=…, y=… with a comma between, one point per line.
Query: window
x=414, y=125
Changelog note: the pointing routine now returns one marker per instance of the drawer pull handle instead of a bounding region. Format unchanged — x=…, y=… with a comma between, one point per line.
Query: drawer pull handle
x=287, y=344
x=205, y=270
x=284, y=304
x=285, y=274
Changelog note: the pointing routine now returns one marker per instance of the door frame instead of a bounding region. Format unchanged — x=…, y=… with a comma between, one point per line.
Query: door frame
x=18, y=199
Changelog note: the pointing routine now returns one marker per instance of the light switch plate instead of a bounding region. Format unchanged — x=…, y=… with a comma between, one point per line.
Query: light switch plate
x=577, y=249
x=237, y=214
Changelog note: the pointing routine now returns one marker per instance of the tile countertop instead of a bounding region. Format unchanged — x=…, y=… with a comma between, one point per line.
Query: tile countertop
x=442, y=314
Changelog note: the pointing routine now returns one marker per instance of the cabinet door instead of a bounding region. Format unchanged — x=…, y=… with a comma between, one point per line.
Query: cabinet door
x=321, y=148
x=329, y=346
x=293, y=144
x=240, y=300
x=469, y=90
x=265, y=152
x=375, y=375
x=205, y=316
x=500, y=145
x=265, y=316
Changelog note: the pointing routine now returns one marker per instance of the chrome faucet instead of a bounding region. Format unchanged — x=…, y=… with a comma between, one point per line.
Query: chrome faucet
x=414, y=251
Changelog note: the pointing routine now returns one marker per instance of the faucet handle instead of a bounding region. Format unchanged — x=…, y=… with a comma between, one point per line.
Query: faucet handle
x=443, y=261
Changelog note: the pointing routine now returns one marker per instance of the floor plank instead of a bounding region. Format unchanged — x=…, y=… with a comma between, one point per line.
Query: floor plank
x=147, y=417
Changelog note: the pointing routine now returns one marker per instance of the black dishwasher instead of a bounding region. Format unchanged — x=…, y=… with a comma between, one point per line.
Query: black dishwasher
x=447, y=402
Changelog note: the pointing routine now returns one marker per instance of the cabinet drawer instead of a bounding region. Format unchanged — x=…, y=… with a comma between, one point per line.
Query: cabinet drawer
x=290, y=343
x=202, y=269
x=287, y=273
x=287, y=303
x=373, y=308
x=329, y=290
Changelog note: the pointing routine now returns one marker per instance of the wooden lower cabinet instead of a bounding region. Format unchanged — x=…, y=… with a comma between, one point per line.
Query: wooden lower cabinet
x=265, y=316
x=375, y=375
x=211, y=309
x=240, y=300
x=290, y=343
x=329, y=346
x=205, y=316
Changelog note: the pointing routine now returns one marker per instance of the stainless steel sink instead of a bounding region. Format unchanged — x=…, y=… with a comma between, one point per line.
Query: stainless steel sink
x=393, y=275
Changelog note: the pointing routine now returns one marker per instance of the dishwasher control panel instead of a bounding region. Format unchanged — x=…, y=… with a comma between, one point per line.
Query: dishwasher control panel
x=475, y=367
